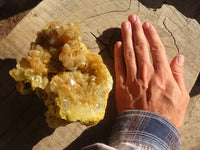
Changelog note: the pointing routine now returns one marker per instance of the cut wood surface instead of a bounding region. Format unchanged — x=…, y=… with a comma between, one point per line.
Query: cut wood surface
x=100, y=22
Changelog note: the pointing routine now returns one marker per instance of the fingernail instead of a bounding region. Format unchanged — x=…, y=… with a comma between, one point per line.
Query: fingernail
x=126, y=25
x=148, y=25
x=180, y=60
x=134, y=18
x=119, y=45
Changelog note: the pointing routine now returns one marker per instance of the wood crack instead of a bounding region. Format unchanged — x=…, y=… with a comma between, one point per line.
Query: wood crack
x=107, y=46
x=113, y=11
x=101, y=41
x=138, y=11
x=174, y=39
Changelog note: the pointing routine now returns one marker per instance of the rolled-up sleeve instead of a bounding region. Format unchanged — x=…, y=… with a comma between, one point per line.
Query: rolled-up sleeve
x=141, y=130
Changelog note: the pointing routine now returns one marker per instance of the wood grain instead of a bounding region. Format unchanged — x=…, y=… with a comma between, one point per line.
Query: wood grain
x=100, y=22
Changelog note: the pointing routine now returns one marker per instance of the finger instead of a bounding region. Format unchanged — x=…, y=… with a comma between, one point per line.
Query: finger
x=129, y=55
x=177, y=70
x=120, y=71
x=140, y=43
x=157, y=49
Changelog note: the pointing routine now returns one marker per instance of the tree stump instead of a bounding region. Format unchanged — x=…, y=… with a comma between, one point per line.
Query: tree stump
x=22, y=116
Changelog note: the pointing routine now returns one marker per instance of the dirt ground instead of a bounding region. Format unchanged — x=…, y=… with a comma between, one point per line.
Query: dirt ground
x=11, y=14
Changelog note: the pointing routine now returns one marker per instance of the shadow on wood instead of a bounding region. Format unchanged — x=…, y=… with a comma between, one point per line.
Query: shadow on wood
x=106, y=43
x=22, y=123
x=107, y=40
x=9, y=8
x=196, y=88
x=189, y=8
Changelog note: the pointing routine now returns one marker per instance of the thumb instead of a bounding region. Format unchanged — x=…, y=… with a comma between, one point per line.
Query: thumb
x=177, y=70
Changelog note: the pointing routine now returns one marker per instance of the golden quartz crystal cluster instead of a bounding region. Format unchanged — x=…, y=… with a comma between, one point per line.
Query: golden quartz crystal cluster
x=73, y=82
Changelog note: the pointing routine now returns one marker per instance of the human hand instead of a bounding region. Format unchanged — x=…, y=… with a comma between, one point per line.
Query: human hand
x=156, y=87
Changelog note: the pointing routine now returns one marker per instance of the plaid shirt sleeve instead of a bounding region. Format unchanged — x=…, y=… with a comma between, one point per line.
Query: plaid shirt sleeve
x=141, y=130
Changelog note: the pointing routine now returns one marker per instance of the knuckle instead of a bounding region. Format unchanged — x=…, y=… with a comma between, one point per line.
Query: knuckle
x=144, y=73
x=177, y=73
x=140, y=45
x=129, y=53
x=157, y=47
x=176, y=68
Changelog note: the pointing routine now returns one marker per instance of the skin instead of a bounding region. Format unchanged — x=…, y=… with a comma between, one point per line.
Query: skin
x=155, y=86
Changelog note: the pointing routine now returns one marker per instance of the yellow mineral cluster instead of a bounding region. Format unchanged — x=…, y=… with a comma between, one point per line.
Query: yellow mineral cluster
x=73, y=82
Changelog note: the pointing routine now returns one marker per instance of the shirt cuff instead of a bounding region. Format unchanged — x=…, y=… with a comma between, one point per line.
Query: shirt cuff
x=145, y=129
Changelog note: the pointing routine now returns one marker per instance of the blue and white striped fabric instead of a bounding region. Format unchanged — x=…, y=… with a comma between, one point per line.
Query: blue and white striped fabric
x=141, y=130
